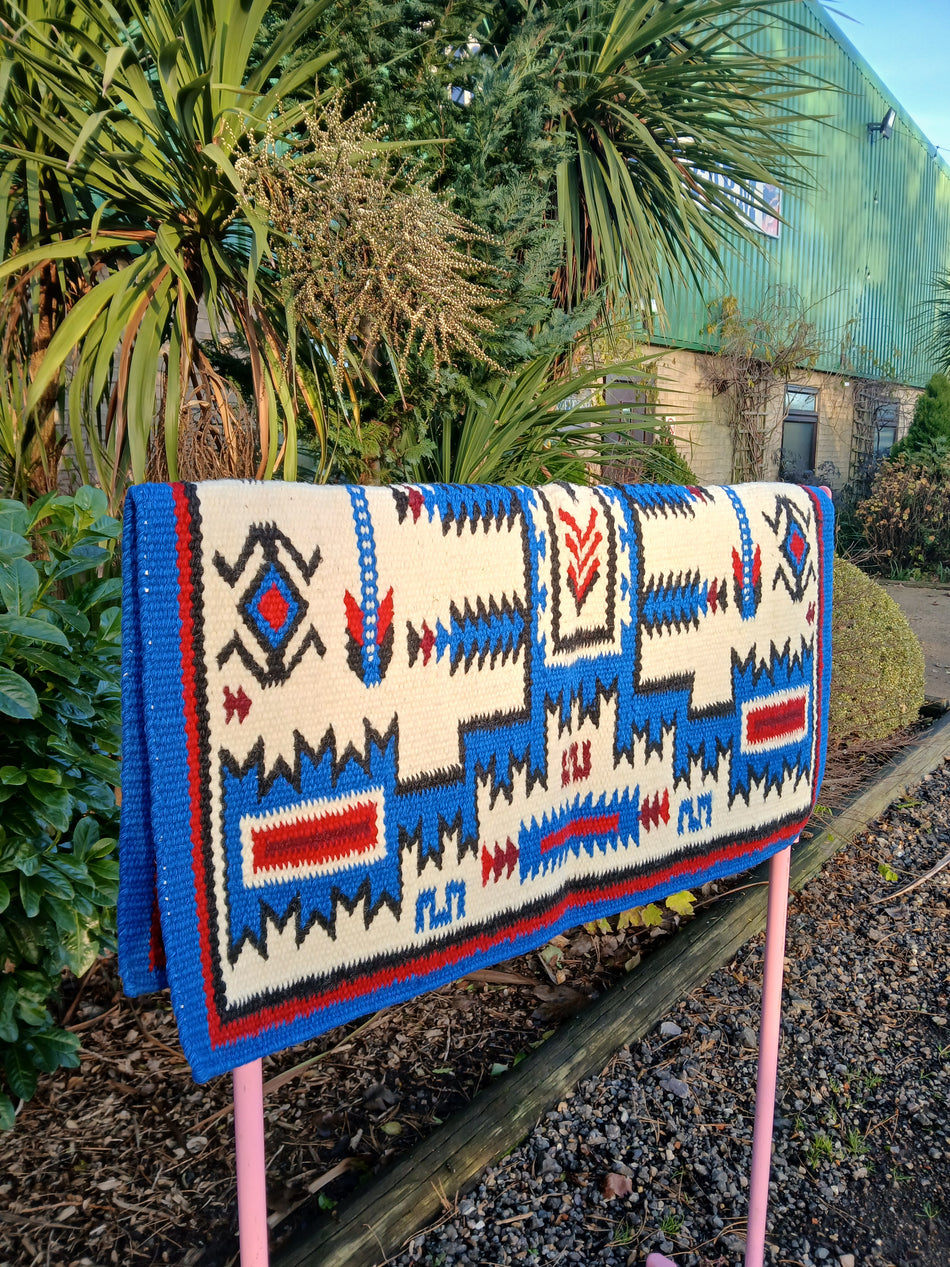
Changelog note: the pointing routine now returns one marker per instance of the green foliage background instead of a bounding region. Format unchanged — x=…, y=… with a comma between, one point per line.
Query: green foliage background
x=930, y=427
x=59, y=744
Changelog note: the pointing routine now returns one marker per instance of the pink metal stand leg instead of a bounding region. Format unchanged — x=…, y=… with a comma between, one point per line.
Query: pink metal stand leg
x=773, y=973
x=249, y=1154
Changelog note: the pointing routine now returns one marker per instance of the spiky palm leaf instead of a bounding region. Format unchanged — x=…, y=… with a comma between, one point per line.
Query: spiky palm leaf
x=147, y=115
x=535, y=425
x=661, y=100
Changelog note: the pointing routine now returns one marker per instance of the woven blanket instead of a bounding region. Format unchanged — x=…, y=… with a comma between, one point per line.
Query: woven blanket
x=375, y=738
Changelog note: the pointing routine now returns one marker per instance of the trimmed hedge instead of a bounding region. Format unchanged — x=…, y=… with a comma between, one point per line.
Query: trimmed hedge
x=877, y=666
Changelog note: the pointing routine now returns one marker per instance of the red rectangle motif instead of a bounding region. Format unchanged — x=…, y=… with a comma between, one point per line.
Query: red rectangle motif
x=316, y=840
x=773, y=721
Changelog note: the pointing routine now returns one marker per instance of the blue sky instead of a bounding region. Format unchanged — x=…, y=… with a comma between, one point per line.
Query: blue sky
x=907, y=42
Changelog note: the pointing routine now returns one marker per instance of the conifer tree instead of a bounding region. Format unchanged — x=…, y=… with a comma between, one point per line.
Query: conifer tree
x=931, y=424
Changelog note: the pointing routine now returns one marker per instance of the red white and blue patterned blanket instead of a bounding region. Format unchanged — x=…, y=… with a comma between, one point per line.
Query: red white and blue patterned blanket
x=374, y=738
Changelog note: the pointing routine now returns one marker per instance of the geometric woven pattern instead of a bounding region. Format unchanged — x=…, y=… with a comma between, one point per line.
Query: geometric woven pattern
x=374, y=738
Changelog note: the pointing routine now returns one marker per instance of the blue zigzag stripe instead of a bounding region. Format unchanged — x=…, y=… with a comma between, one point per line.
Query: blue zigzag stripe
x=676, y=603
x=498, y=629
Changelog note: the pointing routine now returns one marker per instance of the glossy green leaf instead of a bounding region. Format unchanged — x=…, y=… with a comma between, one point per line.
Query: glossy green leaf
x=40, y=660
x=100, y=593
x=17, y=697
x=110, y=624
x=13, y=545
x=31, y=1012
x=34, y=630
x=21, y=1073
x=93, y=501
x=67, y=613
x=80, y=950
x=14, y=516
x=19, y=586
x=46, y=775
x=55, y=1049
x=31, y=894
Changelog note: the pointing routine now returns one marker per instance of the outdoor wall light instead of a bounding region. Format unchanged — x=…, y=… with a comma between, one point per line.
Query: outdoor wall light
x=885, y=127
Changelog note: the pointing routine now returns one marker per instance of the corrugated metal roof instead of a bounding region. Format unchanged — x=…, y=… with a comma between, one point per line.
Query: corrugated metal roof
x=863, y=245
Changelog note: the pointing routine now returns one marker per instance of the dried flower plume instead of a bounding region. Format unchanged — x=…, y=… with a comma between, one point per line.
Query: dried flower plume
x=367, y=255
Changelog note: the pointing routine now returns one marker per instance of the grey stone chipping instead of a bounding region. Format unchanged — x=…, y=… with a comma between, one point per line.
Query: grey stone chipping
x=654, y=1154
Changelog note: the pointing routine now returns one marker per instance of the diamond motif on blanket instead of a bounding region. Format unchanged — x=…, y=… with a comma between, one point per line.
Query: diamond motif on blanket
x=795, y=547
x=272, y=608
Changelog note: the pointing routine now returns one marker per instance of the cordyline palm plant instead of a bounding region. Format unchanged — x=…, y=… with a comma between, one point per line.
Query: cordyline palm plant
x=35, y=199
x=662, y=101
x=145, y=115
x=534, y=425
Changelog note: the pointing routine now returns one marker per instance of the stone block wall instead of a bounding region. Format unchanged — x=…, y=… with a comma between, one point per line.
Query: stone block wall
x=698, y=418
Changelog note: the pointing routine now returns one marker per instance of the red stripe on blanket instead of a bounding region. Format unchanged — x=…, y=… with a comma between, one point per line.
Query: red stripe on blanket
x=603, y=824
x=774, y=721
x=317, y=839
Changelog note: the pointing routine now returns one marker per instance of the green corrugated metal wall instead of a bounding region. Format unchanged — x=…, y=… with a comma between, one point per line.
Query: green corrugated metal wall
x=863, y=246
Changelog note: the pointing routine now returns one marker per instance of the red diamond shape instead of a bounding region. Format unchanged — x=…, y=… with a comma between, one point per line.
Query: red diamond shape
x=797, y=546
x=274, y=608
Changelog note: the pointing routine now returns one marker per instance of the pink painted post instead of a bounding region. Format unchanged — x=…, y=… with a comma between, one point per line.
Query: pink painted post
x=773, y=972
x=249, y=1157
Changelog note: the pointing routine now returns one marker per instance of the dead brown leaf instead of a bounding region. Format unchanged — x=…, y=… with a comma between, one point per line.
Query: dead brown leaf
x=615, y=1185
x=558, y=1002
x=498, y=976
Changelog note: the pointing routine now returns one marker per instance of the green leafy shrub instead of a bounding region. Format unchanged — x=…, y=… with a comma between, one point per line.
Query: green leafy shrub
x=906, y=518
x=59, y=740
x=666, y=465
x=877, y=666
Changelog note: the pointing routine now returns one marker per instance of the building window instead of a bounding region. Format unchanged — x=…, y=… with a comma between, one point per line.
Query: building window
x=799, y=433
x=632, y=402
x=886, y=418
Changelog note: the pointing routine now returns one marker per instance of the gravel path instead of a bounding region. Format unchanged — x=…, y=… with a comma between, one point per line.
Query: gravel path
x=654, y=1154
